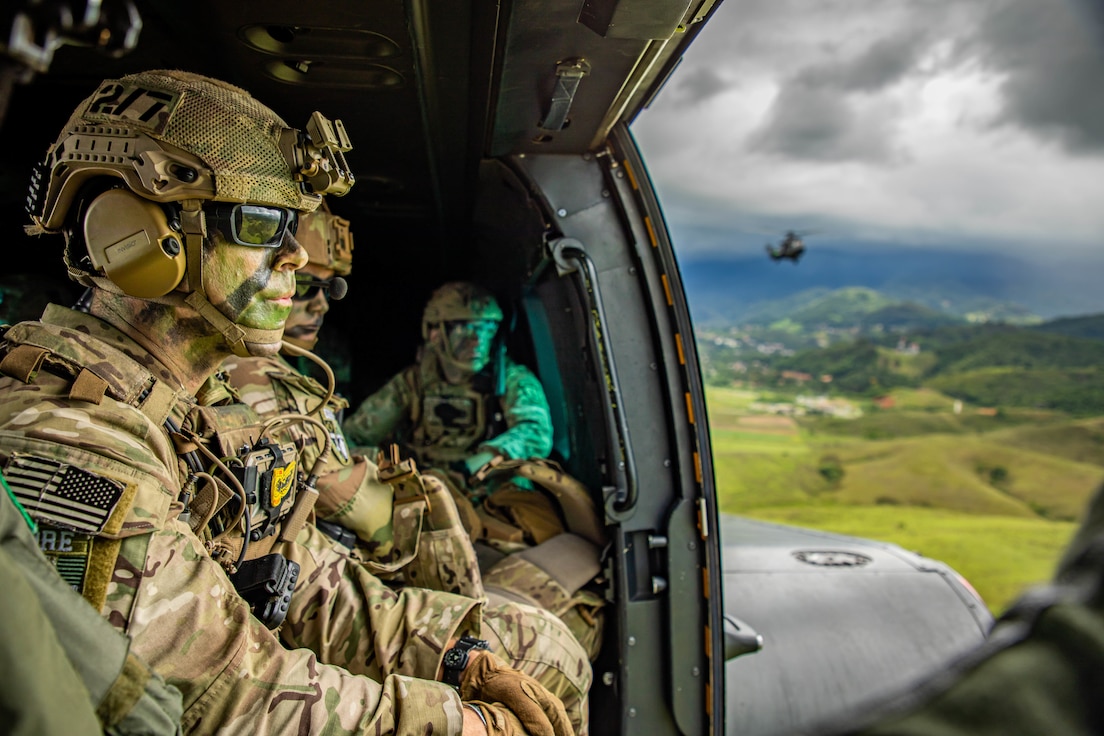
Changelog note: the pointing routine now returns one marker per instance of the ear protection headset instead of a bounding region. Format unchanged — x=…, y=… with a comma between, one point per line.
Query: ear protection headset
x=133, y=241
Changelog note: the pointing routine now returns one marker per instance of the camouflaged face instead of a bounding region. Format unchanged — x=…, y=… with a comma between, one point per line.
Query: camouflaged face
x=461, y=300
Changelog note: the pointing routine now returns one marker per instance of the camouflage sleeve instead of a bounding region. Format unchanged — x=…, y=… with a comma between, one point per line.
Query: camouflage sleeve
x=379, y=414
x=349, y=617
x=1038, y=672
x=187, y=621
x=529, y=421
x=184, y=617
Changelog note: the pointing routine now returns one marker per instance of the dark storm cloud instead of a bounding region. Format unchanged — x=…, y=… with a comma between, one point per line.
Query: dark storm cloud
x=821, y=124
x=1053, y=56
x=700, y=84
x=884, y=63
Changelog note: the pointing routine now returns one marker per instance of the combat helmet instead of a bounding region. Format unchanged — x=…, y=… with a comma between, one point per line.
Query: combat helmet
x=327, y=240
x=149, y=163
x=463, y=302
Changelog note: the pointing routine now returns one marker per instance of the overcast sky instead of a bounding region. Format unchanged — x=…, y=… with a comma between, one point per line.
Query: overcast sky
x=947, y=122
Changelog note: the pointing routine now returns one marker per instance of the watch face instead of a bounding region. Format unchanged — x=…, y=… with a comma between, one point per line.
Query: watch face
x=454, y=658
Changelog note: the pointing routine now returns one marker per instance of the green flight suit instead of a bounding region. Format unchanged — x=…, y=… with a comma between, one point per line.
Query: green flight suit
x=63, y=668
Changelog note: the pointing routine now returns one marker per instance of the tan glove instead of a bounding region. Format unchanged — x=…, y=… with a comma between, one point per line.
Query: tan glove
x=500, y=720
x=518, y=701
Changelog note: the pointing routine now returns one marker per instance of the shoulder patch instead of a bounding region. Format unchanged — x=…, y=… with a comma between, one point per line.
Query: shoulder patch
x=63, y=495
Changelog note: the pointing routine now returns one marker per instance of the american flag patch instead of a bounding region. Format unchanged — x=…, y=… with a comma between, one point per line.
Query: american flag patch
x=62, y=495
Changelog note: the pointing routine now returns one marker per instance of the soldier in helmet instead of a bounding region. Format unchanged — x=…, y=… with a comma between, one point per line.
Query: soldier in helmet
x=407, y=528
x=467, y=409
x=157, y=497
x=354, y=506
x=464, y=403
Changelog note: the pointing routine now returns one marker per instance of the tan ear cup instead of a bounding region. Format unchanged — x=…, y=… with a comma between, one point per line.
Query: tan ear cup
x=130, y=239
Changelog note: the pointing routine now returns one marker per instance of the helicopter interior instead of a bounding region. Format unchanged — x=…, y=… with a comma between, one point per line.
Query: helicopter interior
x=485, y=139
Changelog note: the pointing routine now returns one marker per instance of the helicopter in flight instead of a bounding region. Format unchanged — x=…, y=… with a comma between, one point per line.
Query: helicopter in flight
x=792, y=247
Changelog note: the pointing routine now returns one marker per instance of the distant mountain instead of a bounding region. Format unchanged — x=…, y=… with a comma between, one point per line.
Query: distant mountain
x=731, y=290
x=995, y=365
x=1090, y=326
x=853, y=306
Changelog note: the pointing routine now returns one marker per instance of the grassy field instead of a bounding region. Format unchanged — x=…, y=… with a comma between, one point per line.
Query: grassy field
x=996, y=497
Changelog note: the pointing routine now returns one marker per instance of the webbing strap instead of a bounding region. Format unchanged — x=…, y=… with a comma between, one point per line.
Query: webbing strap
x=304, y=505
x=88, y=387
x=22, y=362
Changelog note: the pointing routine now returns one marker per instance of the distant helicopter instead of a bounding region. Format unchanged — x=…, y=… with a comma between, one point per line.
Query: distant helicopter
x=791, y=247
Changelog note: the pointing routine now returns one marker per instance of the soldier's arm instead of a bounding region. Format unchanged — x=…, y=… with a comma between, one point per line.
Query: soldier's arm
x=190, y=624
x=528, y=418
x=379, y=414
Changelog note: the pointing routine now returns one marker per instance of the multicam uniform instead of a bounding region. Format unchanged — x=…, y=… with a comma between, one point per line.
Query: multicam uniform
x=427, y=545
x=432, y=549
x=84, y=405
x=64, y=668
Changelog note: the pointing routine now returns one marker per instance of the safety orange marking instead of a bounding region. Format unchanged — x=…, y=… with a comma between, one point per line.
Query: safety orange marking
x=667, y=289
x=678, y=344
x=697, y=467
x=689, y=408
x=651, y=231
x=632, y=177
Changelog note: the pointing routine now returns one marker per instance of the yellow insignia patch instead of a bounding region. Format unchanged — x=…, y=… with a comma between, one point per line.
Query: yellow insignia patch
x=283, y=479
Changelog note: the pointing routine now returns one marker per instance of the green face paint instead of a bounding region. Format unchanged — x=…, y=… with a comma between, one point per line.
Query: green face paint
x=245, y=285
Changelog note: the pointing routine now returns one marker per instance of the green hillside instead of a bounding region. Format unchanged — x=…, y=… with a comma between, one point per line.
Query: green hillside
x=842, y=307
x=996, y=496
x=1090, y=326
x=987, y=365
x=1077, y=392
x=966, y=348
x=906, y=316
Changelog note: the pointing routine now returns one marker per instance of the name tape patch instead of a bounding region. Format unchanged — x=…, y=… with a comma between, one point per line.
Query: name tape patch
x=133, y=106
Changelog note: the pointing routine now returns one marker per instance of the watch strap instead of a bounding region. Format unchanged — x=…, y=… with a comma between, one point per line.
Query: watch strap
x=456, y=659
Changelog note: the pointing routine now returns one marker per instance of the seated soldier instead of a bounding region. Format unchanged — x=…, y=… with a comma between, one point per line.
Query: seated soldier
x=464, y=403
x=172, y=495
x=354, y=506
x=469, y=411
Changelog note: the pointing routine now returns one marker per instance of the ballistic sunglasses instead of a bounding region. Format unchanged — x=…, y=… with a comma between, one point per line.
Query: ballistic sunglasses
x=254, y=225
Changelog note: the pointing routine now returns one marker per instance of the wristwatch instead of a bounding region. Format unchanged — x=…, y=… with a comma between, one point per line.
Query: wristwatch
x=456, y=659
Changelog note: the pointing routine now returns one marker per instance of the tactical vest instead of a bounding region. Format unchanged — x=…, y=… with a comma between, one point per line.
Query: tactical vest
x=449, y=421
x=82, y=512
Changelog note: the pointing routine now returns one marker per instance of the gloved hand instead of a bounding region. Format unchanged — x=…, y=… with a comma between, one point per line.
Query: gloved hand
x=500, y=720
x=516, y=700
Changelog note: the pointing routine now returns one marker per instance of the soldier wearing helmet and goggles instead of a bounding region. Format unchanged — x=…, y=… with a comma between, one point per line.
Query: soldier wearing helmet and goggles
x=403, y=524
x=482, y=420
x=159, y=498
x=460, y=405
